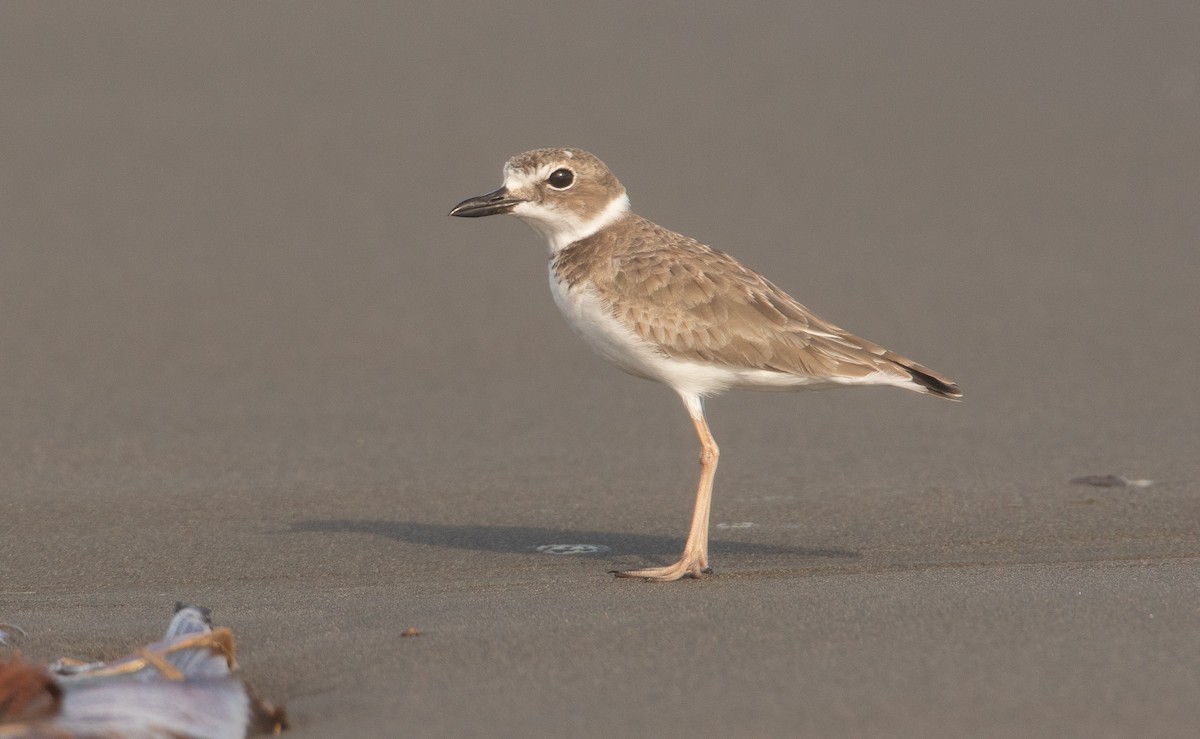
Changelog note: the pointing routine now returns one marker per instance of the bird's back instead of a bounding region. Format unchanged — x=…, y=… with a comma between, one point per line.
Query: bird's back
x=696, y=304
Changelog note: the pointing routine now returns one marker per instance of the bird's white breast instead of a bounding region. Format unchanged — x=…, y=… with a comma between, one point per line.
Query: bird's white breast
x=593, y=320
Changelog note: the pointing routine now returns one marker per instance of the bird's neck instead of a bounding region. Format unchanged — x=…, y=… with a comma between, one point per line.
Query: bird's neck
x=560, y=230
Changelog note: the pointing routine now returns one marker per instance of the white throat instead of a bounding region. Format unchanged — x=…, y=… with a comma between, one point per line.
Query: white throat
x=562, y=227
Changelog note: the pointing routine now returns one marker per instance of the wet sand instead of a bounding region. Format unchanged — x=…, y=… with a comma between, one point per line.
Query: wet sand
x=247, y=361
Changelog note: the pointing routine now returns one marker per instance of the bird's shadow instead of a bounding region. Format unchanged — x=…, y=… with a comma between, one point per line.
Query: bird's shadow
x=527, y=539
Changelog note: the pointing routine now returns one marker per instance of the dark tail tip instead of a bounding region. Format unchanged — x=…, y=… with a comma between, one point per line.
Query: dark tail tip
x=934, y=384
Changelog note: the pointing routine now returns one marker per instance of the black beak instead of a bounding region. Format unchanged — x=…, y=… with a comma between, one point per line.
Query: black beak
x=494, y=203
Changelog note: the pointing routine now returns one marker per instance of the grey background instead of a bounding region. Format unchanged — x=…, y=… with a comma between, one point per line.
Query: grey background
x=246, y=361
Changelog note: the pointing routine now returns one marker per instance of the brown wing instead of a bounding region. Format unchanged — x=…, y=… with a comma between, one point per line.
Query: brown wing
x=696, y=303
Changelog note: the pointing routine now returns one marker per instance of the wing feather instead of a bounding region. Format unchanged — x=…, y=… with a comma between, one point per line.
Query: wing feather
x=699, y=304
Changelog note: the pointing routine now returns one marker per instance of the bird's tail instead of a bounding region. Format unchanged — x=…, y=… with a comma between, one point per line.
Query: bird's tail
x=926, y=380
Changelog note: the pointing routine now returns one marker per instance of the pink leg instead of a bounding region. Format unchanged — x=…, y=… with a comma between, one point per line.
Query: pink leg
x=694, y=561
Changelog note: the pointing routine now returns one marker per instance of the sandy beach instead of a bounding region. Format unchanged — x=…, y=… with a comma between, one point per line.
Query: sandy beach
x=247, y=361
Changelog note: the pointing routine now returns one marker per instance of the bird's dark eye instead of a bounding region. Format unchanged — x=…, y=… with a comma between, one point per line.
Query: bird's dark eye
x=561, y=179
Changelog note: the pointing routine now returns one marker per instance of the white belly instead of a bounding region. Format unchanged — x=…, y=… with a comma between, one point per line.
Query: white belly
x=587, y=314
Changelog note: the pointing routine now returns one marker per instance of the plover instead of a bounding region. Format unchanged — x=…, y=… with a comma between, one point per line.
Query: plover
x=665, y=307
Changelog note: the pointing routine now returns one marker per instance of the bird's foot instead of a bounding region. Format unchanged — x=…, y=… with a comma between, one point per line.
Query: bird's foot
x=689, y=566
